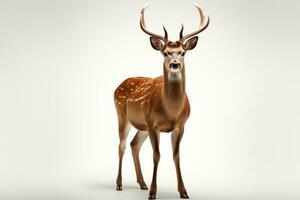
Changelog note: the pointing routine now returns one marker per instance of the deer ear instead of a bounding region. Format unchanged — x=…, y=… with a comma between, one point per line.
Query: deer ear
x=191, y=43
x=156, y=43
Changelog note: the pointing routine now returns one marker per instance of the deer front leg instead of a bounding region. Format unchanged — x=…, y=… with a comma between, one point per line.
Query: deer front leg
x=154, y=139
x=176, y=138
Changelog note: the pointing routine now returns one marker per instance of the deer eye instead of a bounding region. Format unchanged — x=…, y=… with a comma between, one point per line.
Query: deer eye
x=165, y=53
x=182, y=53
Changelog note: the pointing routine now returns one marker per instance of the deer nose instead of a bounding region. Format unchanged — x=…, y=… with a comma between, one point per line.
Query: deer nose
x=174, y=65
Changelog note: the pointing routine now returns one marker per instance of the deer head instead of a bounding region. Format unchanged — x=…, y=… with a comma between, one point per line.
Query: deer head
x=174, y=52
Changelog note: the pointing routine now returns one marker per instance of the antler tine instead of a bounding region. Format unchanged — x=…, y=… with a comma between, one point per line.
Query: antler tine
x=202, y=27
x=166, y=33
x=144, y=28
x=181, y=32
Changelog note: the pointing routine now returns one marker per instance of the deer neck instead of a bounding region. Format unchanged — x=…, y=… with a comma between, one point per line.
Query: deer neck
x=174, y=91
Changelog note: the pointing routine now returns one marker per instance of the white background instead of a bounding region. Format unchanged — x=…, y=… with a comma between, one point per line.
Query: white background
x=60, y=62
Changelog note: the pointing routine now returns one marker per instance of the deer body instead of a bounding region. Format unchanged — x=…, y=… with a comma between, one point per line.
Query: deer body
x=154, y=105
x=146, y=103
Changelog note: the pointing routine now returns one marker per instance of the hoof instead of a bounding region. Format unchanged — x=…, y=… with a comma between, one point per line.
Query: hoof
x=152, y=196
x=119, y=188
x=184, y=195
x=143, y=186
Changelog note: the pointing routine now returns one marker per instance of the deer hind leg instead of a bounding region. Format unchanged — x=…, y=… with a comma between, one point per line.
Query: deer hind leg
x=136, y=144
x=124, y=128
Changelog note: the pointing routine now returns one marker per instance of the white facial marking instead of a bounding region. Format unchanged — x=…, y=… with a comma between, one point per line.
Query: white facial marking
x=174, y=55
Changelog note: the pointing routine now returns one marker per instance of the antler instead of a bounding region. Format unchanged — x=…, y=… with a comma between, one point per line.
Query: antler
x=144, y=28
x=202, y=27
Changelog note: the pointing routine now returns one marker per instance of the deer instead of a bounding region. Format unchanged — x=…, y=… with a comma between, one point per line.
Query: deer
x=155, y=105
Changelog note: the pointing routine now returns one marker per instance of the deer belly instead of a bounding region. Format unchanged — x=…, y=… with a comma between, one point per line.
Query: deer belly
x=136, y=117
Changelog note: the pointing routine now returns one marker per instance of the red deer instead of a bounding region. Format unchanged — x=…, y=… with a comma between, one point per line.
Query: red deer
x=154, y=105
